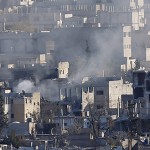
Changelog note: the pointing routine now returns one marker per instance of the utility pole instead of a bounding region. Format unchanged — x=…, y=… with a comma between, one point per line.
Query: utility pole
x=131, y=107
x=118, y=107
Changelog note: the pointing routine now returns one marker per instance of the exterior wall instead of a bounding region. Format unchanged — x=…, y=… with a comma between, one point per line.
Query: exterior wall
x=32, y=107
x=127, y=89
x=9, y=45
x=142, y=20
x=4, y=147
x=18, y=110
x=73, y=22
x=72, y=94
x=36, y=102
x=147, y=54
x=133, y=4
x=101, y=97
x=94, y=98
x=64, y=122
x=135, y=20
x=11, y=66
x=22, y=108
x=136, y=4
x=26, y=2
x=116, y=89
x=127, y=41
x=7, y=108
x=140, y=3
x=130, y=64
x=42, y=59
x=115, y=18
x=63, y=70
x=1, y=26
x=87, y=100
x=80, y=9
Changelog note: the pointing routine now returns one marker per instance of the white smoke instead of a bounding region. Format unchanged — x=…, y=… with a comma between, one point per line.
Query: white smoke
x=25, y=85
x=48, y=89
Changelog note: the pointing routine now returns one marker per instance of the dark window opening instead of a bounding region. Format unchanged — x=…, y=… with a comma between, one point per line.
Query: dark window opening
x=90, y=89
x=148, y=85
x=12, y=115
x=142, y=105
x=100, y=106
x=85, y=89
x=99, y=92
x=65, y=124
x=12, y=101
x=138, y=92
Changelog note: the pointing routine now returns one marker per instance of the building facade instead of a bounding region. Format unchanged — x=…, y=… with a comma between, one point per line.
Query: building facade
x=22, y=107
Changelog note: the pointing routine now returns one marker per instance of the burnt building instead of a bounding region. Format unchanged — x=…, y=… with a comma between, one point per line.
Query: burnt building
x=138, y=83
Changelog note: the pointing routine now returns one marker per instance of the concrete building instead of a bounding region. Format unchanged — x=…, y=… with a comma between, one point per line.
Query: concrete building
x=23, y=107
x=141, y=93
x=118, y=13
x=26, y=2
x=130, y=64
x=127, y=41
x=104, y=94
x=116, y=89
x=63, y=70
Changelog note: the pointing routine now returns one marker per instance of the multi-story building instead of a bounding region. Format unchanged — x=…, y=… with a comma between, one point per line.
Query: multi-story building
x=22, y=107
x=118, y=13
x=104, y=94
x=100, y=93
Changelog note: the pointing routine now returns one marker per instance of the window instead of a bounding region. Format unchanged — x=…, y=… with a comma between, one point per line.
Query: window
x=142, y=105
x=85, y=89
x=38, y=103
x=65, y=124
x=90, y=89
x=124, y=34
x=99, y=92
x=12, y=101
x=98, y=106
x=129, y=34
x=61, y=71
x=148, y=85
x=12, y=115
